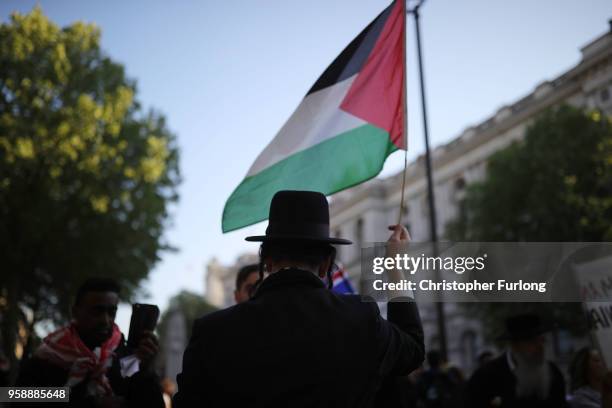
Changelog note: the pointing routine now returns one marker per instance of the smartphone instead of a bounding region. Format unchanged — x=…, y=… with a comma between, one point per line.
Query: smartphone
x=144, y=318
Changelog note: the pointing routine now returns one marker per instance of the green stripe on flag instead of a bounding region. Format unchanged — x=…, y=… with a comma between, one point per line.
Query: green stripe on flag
x=335, y=164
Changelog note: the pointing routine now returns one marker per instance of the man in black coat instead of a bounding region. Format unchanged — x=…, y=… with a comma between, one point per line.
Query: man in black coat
x=296, y=343
x=90, y=356
x=521, y=377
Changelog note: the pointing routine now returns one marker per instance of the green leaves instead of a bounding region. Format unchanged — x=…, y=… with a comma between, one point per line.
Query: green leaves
x=86, y=176
x=191, y=306
x=555, y=185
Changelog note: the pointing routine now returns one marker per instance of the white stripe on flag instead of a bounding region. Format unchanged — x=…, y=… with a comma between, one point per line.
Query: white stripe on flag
x=316, y=119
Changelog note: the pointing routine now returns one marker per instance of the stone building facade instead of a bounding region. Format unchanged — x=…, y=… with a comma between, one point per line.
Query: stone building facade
x=362, y=213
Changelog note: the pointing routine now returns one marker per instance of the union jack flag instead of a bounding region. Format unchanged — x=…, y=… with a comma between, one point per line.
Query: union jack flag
x=341, y=282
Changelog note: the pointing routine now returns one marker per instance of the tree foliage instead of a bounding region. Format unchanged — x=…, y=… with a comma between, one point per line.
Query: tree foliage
x=191, y=305
x=86, y=176
x=554, y=185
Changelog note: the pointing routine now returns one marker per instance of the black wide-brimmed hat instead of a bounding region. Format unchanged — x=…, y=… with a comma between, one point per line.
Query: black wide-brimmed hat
x=299, y=216
x=524, y=327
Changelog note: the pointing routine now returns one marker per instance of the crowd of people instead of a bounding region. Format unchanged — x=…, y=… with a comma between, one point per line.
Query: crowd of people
x=292, y=342
x=518, y=377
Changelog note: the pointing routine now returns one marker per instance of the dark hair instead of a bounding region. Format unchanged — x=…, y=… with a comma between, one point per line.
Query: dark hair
x=244, y=273
x=579, y=368
x=96, y=285
x=307, y=253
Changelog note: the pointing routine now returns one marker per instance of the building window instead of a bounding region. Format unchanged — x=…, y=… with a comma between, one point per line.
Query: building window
x=425, y=206
x=604, y=95
x=468, y=349
x=434, y=343
x=459, y=184
x=458, y=193
x=359, y=233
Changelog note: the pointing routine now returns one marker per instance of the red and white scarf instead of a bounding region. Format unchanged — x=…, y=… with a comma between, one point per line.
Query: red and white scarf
x=65, y=349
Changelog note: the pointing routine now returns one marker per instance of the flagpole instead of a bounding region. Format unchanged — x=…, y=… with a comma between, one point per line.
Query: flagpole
x=430, y=187
x=405, y=114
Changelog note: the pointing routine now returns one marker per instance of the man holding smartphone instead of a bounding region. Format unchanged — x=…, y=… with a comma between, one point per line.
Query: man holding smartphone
x=90, y=356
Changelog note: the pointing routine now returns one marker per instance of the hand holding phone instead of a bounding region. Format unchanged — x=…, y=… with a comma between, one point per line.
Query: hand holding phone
x=144, y=318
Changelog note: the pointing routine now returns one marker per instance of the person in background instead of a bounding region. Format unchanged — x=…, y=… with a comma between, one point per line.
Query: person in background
x=90, y=356
x=245, y=282
x=484, y=358
x=521, y=377
x=436, y=387
x=587, y=371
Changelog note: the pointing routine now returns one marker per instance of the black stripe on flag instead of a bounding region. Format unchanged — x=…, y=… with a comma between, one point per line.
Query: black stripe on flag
x=354, y=56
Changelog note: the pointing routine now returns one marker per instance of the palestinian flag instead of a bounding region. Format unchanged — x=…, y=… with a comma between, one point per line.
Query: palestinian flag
x=340, y=135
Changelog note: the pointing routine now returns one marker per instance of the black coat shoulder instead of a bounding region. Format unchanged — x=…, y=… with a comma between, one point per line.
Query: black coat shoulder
x=296, y=342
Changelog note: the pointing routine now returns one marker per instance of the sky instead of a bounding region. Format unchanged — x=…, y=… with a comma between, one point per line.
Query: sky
x=228, y=73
